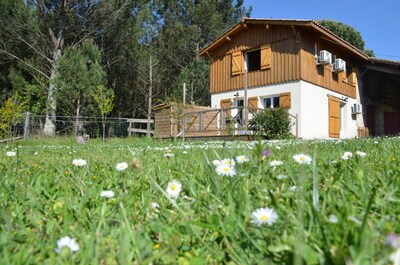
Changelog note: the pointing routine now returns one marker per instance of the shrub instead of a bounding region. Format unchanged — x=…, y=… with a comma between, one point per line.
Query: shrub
x=272, y=124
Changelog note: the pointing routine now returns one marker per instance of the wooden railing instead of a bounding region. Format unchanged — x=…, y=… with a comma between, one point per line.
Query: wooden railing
x=133, y=129
x=221, y=121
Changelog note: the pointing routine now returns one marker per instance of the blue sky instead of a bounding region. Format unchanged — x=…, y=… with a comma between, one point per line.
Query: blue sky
x=377, y=21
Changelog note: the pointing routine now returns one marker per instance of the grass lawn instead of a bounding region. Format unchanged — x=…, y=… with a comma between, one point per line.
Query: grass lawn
x=272, y=209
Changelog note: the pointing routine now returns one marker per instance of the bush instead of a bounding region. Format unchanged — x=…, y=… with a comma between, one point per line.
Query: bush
x=272, y=124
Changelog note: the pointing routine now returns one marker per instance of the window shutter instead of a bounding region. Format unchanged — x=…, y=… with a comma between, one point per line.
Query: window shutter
x=285, y=100
x=266, y=56
x=353, y=77
x=253, y=102
x=237, y=63
x=226, y=103
x=334, y=117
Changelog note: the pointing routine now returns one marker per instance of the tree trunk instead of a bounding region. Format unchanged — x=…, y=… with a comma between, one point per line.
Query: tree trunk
x=149, y=103
x=51, y=104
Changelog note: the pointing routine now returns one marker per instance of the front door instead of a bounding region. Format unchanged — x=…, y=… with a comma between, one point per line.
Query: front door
x=334, y=117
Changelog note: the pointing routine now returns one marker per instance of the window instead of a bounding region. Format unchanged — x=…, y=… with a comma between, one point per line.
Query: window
x=253, y=60
x=270, y=102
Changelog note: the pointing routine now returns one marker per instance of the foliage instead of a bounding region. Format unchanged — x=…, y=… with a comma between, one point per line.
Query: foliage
x=105, y=102
x=11, y=114
x=347, y=33
x=44, y=197
x=272, y=124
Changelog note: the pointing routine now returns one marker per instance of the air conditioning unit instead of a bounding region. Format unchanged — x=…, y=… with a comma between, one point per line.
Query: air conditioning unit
x=325, y=57
x=356, y=109
x=339, y=65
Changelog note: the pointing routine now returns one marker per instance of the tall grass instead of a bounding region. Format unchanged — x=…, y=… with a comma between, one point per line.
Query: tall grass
x=44, y=198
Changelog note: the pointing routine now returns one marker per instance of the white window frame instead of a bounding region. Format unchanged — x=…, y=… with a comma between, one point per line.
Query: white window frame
x=263, y=99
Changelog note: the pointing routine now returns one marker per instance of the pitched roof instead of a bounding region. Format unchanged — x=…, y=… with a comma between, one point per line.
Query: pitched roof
x=311, y=24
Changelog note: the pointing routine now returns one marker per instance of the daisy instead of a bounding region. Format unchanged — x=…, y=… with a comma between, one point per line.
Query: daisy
x=11, y=153
x=347, y=155
x=228, y=162
x=242, y=159
x=79, y=162
x=121, y=166
x=67, y=242
x=225, y=170
x=302, y=159
x=275, y=163
x=263, y=216
x=362, y=154
x=216, y=162
x=174, y=188
x=293, y=188
x=333, y=219
x=107, y=194
x=168, y=153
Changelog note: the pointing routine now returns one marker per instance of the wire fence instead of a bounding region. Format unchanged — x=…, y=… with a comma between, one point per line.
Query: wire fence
x=31, y=126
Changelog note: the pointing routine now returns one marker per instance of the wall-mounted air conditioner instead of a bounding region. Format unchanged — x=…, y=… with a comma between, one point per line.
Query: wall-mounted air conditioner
x=324, y=58
x=356, y=109
x=339, y=66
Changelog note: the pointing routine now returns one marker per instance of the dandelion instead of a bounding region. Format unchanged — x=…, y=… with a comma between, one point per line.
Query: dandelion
x=68, y=243
x=156, y=246
x=361, y=154
x=121, y=166
x=275, y=163
x=263, y=216
x=347, y=155
x=225, y=170
x=107, y=194
x=168, y=153
x=333, y=219
x=242, y=159
x=11, y=153
x=302, y=159
x=174, y=188
x=79, y=162
x=228, y=162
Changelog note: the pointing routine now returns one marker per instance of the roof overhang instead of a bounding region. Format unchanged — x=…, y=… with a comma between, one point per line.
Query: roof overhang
x=310, y=24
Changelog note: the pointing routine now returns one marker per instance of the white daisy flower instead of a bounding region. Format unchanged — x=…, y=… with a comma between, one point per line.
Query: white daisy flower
x=263, y=216
x=67, y=242
x=302, y=159
x=275, y=163
x=362, y=154
x=242, y=159
x=174, y=188
x=184, y=152
x=168, y=153
x=293, y=188
x=395, y=257
x=155, y=205
x=121, y=166
x=333, y=219
x=11, y=153
x=228, y=162
x=79, y=162
x=216, y=162
x=225, y=170
x=347, y=155
x=278, y=147
x=107, y=194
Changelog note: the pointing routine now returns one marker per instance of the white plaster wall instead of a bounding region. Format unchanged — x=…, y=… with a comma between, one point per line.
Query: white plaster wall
x=266, y=91
x=315, y=118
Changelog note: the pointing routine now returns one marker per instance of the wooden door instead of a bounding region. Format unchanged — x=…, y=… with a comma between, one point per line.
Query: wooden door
x=371, y=119
x=334, y=117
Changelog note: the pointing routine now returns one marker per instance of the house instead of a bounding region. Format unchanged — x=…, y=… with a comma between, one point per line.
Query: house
x=330, y=88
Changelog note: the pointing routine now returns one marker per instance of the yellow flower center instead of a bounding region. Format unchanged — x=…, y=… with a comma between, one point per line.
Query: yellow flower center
x=226, y=169
x=156, y=246
x=302, y=158
x=264, y=218
x=173, y=187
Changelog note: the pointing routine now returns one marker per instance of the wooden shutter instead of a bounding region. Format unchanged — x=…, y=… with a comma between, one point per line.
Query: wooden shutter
x=226, y=103
x=334, y=117
x=285, y=100
x=253, y=102
x=237, y=63
x=352, y=78
x=266, y=56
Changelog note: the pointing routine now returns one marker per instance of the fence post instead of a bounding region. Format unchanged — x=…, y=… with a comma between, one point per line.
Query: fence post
x=26, y=126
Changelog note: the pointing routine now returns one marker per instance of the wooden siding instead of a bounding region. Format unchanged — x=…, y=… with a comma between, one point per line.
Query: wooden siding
x=284, y=63
x=323, y=75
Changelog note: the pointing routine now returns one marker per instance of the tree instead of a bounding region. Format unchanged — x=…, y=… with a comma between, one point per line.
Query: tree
x=11, y=114
x=347, y=33
x=104, y=99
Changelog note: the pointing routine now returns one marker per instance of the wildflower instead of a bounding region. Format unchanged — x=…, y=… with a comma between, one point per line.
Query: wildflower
x=302, y=159
x=136, y=163
x=347, y=155
x=392, y=240
x=293, y=188
x=174, y=188
x=362, y=154
x=228, y=162
x=242, y=159
x=216, y=162
x=225, y=170
x=395, y=257
x=184, y=152
x=168, y=153
x=275, y=163
x=79, y=162
x=67, y=242
x=333, y=219
x=263, y=216
x=278, y=147
x=265, y=153
x=155, y=205
x=121, y=166
x=156, y=246
x=281, y=176
x=11, y=153
x=107, y=194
